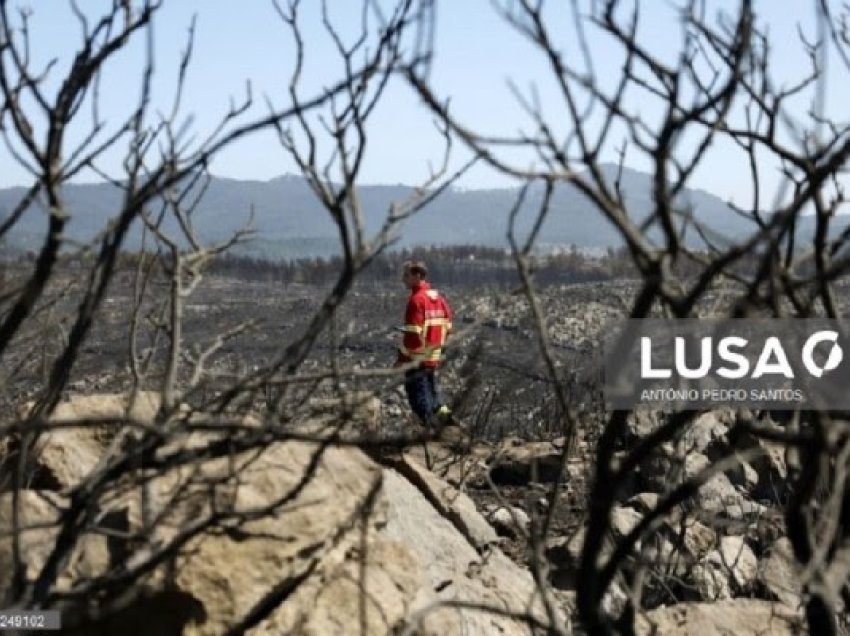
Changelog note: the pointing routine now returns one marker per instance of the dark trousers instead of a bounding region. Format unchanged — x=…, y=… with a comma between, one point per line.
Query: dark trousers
x=422, y=393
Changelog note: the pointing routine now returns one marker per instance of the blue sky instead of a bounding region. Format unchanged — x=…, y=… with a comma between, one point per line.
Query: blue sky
x=476, y=54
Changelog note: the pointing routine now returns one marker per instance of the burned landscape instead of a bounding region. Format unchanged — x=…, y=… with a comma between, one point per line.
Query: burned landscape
x=492, y=353
x=726, y=540
x=203, y=426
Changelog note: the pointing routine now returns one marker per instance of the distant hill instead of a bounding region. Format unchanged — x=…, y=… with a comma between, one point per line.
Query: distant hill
x=290, y=223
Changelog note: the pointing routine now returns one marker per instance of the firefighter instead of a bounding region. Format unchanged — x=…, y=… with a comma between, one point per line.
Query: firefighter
x=427, y=324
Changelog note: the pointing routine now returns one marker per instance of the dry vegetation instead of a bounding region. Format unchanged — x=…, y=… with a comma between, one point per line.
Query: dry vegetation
x=236, y=480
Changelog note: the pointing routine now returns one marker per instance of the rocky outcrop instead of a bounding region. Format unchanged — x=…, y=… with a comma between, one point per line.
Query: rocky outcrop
x=359, y=545
x=705, y=432
x=456, y=575
x=306, y=538
x=297, y=537
x=720, y=545
x=452, y=504
x=301, y=518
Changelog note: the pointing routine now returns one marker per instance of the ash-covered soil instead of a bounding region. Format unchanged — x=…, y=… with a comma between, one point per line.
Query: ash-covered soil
x=494, y=372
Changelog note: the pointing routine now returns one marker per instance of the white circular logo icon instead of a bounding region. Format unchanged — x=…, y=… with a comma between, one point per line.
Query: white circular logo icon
x=836, y=354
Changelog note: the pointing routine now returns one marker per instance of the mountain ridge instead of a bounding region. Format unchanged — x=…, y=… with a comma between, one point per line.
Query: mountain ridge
x=291, y=223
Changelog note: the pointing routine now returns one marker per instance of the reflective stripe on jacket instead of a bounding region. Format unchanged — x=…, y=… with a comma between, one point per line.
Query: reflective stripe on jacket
x=427, y=323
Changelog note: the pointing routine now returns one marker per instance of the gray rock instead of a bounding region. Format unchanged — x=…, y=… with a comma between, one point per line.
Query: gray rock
x=725, y=572
x=706, y=431
x=718, y=495
x=624, y=520
x=734, y=556
x=641, y=423
x=741, y=617
x=327, y=525
x=509, y=522
x=711, y=582
x=694, y=537
x=744, y=476
x=780, y=573
x=452, y=571
x=772, y=470
x=452, y=504
x=769, y=463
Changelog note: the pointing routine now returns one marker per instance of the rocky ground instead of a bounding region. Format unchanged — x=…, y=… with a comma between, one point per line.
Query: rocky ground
x=381, y=539
x=442, y=525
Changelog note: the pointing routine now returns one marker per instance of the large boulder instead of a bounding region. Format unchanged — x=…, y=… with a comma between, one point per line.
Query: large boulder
x=314, y=540
x=452, y=504
x=65, y=455
x=413, y=569
x=455, y=574
x=296, y=515
x=291, y=537
x=369, y=592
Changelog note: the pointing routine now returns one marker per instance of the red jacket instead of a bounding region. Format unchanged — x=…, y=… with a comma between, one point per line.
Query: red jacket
x=427, y=323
